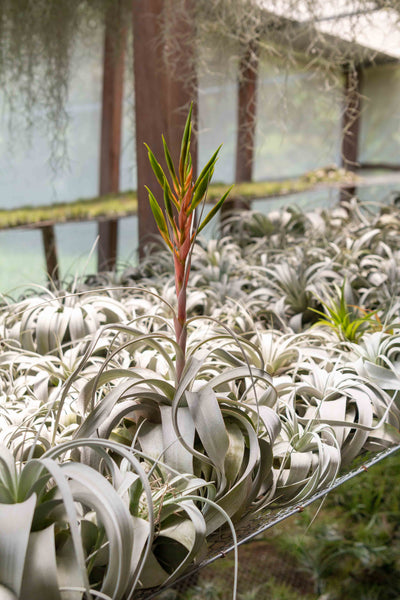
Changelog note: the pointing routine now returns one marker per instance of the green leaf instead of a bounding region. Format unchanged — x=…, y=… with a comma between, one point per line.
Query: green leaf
x=157, y=213
x=169, y=162
x=185, y=145
x=168, y=205
x=201, y=190
x=213, y=211
x=206, y=168
x=188, y=165
x=157, y=169
x=159, y=218
x=161, y=178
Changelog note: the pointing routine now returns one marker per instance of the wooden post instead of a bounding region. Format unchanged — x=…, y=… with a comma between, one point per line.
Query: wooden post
x=246, y=123
x=111, y=123
x=180, y=76
x=165, y=84
x=247, y=105
x=50, y=252
x=351, y=125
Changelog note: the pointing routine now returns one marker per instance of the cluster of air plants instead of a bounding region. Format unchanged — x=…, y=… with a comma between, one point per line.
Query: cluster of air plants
x=138, y=419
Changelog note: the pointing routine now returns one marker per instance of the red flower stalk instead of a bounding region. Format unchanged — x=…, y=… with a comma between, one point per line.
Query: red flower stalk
x=177, y=223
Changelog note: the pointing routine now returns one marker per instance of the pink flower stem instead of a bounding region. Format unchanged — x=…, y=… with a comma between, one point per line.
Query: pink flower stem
x=182, y=268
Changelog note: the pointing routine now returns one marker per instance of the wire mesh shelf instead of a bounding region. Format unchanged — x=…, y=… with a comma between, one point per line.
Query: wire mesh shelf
x=220, y=543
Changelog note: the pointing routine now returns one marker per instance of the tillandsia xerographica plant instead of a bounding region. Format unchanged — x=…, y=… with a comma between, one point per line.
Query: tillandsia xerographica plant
x=177, y=224
x=123, y=449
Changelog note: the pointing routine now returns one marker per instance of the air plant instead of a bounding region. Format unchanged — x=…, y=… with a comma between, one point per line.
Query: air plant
x=128, y=437
x=63, y=524
x=177, y=224
x=45, y=323
x=348, y=321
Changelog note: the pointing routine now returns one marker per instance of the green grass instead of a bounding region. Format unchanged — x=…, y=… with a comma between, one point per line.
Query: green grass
x=271, y=589
x=352, y=550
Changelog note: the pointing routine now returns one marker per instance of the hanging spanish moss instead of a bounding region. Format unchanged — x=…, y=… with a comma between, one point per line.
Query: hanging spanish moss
x=301, y=50
x=37, y=40
x=295, y=30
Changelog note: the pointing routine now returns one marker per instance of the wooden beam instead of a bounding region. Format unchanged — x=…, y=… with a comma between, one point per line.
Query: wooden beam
x=111, y=123
x=165, y=84
x=351, y=125
x=50, y=253
x=383, y=166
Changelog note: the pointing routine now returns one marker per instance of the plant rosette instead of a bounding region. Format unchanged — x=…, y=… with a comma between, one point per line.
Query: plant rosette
x=137, y=425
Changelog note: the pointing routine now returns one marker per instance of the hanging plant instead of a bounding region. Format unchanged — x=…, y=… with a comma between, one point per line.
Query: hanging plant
x=37, y=43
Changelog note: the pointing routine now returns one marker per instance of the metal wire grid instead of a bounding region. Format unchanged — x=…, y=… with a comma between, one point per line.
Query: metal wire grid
x=221, y=542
